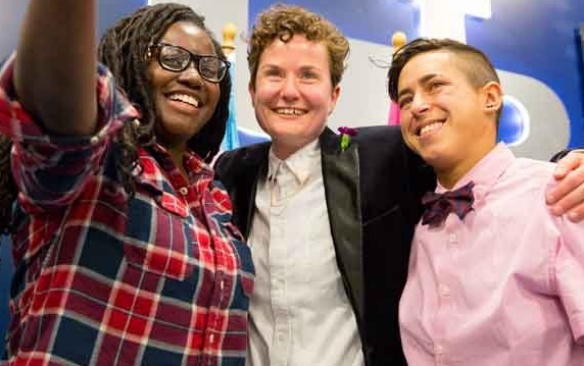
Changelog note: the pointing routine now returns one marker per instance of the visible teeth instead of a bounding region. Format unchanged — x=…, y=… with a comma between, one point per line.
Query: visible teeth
x=430, y=127
x=290, y=111
x=185, y=99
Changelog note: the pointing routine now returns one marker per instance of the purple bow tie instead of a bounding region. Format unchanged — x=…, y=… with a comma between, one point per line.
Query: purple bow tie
x=439, y=205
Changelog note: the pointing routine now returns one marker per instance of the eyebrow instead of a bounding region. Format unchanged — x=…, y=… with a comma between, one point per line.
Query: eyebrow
x=269, y=66
x=195, y=52
x=423, y=80
x=310, y=68
x=303, y=67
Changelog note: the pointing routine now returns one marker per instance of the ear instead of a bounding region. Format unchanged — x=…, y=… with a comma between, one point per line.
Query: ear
x=251, y=90
x=334, y=98
x=493, y=97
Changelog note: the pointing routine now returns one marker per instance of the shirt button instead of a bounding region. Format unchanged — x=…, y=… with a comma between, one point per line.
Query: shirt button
x=438, y=349
x=183, y=190
x=94, y=140
x=452, y=238
x=443, y=290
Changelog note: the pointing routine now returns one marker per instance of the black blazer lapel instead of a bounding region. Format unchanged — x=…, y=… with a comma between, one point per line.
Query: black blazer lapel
x=240, y=170
x=257, y=162
x=341, y=180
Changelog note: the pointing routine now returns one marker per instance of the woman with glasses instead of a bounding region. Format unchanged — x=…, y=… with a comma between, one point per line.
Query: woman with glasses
x=123, y=246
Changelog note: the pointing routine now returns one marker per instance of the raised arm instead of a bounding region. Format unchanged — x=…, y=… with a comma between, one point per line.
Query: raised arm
x=55, y=70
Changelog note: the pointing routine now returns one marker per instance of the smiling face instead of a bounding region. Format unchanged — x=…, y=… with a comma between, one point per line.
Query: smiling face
x=184, y=102
x=293, y=93
x=443, y=117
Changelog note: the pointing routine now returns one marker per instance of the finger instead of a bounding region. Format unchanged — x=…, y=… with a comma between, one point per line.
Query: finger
x=568, y=163
x=561, y=189
x=560, y=171
x=576, y=214
x=570, y=194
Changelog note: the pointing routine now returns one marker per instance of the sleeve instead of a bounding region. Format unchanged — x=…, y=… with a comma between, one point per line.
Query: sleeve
x=561, y=154
x=225, y=168
x=568, y=273
x=50, y=171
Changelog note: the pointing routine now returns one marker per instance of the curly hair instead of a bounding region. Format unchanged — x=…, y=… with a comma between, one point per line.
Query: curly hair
x=283, y=22
x=122, y=49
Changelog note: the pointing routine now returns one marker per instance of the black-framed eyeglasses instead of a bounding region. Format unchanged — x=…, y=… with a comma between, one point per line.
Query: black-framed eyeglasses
x=177, y=59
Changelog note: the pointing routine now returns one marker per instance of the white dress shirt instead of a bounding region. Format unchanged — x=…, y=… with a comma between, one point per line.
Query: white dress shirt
x=299, y=313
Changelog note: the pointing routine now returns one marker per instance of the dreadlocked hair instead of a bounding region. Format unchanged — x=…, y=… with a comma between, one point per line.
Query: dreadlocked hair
x=7, y=186
x=123, y=49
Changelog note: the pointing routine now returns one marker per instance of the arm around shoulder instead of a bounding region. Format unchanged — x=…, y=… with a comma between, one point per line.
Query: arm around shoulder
x=568, y=194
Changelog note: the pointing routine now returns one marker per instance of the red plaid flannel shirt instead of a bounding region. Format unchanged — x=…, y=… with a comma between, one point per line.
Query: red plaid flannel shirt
x=162, y=278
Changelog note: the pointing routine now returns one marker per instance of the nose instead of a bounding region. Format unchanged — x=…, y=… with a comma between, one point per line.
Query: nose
x=290, y=88
x=191, y=75
x=419, y=104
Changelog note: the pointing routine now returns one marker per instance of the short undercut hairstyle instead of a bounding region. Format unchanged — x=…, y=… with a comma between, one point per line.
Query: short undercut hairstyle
x=474, y=63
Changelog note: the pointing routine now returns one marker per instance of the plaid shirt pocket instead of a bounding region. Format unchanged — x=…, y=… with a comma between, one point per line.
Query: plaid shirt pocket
x=159, y=237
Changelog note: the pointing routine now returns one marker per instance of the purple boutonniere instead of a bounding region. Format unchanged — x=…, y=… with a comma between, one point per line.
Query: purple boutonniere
x=346, y=133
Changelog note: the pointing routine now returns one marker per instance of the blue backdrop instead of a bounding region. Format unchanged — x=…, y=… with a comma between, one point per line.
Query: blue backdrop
x=534, y=38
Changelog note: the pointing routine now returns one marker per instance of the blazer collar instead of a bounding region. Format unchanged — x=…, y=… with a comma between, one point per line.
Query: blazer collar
x=341, y=180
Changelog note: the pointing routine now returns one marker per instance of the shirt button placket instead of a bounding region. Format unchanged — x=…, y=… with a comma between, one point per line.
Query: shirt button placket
x=443, y=291
x=278, y=270
x=439, y=355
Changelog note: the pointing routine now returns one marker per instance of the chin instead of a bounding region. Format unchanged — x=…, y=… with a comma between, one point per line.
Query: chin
x=283, y=133
x=176, y=134
x=431, y=156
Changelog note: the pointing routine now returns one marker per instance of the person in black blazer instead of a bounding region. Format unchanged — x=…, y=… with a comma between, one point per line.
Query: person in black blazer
x=373, y=185
x=373, y=191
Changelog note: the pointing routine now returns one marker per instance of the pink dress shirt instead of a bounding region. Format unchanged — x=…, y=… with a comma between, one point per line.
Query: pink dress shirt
x=503, y=287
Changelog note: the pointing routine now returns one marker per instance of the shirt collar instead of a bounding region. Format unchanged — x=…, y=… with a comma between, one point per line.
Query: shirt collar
x=194, y=165
x=300, y=163
x=486, y=172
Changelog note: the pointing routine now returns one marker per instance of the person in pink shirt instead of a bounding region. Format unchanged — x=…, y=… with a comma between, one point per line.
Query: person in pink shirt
x=494, y=278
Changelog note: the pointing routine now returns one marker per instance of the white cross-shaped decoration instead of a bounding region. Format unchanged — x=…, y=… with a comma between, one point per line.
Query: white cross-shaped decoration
x=446, y=18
